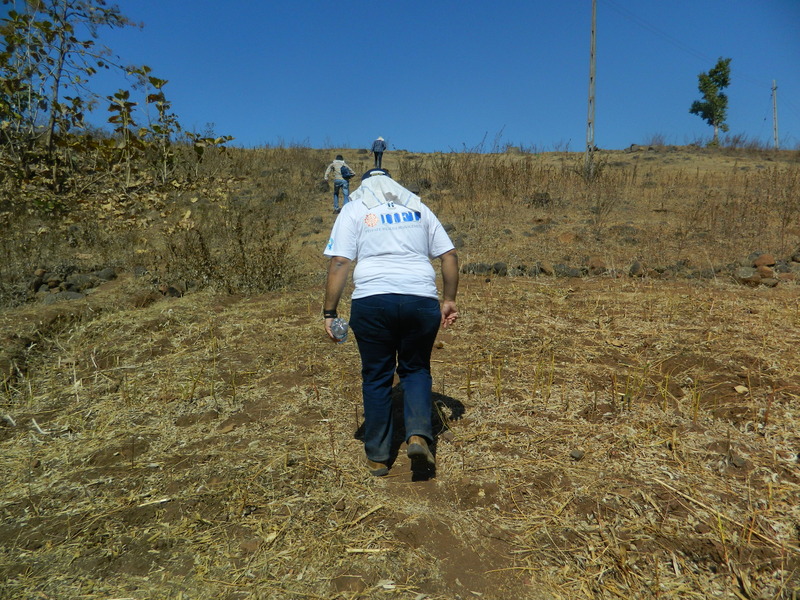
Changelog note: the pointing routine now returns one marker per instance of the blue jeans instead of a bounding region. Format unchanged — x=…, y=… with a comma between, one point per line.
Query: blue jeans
x=395, y=332
x=344, y=185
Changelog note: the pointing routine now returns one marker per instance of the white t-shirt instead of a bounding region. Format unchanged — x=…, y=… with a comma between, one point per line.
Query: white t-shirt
x=393, y=246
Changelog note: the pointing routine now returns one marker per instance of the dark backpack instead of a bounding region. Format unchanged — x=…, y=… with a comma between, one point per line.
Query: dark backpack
x=346, y=172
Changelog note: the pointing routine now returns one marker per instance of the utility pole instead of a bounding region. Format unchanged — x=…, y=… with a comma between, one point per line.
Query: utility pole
x=775, y=114
x=589, y=163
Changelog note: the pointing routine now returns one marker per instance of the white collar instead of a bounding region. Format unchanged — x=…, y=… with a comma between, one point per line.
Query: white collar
x=380, y=189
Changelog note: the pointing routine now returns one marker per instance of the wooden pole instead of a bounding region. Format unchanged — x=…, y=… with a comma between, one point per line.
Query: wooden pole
x=589, y=163
x=775, y=114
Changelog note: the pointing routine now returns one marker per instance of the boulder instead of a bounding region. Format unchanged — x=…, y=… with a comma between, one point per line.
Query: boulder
x=596, y=265
x=546, y=268
x=35, y=283
x=562, y=270
x=782, y=267
x=529, y=270
x=106, y=274
x=747, y=276
x=52, y=280
x=477, y=269
x=59, y=296
x=78, y=282
x=637, y=269
x=765, y=272
x=500, y=269
x=763, y=260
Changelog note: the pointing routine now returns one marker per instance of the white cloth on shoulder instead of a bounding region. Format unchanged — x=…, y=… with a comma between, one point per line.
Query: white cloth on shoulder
x=380, y=189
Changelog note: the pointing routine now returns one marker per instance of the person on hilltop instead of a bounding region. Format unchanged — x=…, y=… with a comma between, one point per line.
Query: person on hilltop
x=341, y=181
x=378, y=148
x=394, y=310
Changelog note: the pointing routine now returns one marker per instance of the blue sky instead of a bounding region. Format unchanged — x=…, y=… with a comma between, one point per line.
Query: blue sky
x=447, y=75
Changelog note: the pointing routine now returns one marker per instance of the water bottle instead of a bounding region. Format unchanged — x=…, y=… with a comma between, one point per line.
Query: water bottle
x=339, y=329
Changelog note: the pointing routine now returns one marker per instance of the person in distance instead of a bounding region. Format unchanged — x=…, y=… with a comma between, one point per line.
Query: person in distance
x=339, y=182
x=378, y=148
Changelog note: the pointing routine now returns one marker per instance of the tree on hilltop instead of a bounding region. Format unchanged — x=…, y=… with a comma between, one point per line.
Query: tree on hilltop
x=713, y=107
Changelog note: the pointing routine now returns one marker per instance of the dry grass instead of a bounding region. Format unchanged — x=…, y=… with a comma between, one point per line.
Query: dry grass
x=601, y=437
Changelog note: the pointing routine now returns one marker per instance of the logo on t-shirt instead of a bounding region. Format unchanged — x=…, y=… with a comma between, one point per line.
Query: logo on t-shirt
x=395, y=219
x=401, y=217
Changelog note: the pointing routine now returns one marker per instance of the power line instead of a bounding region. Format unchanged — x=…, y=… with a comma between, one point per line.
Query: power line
x=653, y=29
x=787, y=105
x=670, y=39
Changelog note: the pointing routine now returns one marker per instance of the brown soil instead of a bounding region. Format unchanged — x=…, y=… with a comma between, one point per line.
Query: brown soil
x=600, y=437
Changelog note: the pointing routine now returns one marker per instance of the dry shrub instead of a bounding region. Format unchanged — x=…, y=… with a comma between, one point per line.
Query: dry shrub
x=695, y=200
x=720, y=204
x=743, y=208
x=294, y=163
x=30, y=242
x=22, y=249
x=243, y=251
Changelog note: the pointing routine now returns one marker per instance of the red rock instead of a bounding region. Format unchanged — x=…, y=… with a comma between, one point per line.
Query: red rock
x=764, y=260
x=765, y=271
x=596, y=265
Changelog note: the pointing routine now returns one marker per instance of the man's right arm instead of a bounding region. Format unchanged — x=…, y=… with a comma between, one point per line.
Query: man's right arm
x=449, y=287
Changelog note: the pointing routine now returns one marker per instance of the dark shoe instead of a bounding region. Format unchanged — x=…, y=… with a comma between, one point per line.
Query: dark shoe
x=336, y=211
x=377, y=469
x=421, y=457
